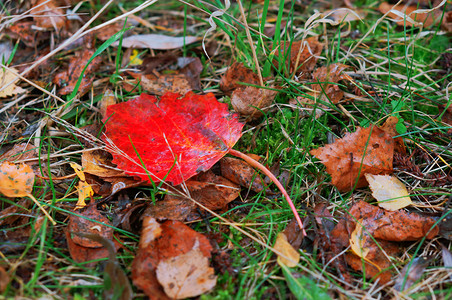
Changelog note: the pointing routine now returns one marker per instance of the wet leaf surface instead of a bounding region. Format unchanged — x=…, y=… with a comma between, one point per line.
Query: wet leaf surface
x=89, y=221
x=386, y=227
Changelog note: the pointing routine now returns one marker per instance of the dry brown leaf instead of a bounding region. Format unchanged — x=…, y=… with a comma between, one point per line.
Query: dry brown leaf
x=389, y=127
x=290, y=256
x=303, y=55
x=82, y=248
x=81, y=254
x=234, y=75
x=90, y=221
x=250, y=101
x=241, y=173
x=403, y=14
x=162, y=242
x=327, y=78
x=6, y=76
x=212, y=191
x=23, y=151
x=187, y=275
x=4, y=279
x=108, y=98
x=294, y=234
x=99, y=163
x=411, y=273
x=172, y=207
x=395, y=226
x=368, y=150
x=67, y=79
x=390, y=192
x=388, y=229
x=326, y=90
x=180, y=81
x=49, y=15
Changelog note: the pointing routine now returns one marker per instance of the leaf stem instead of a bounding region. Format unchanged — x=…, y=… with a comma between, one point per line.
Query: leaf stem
x=267, y=172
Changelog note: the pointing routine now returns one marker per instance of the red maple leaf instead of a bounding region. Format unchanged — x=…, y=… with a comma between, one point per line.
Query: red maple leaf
x=182, y=135
x=175, y=137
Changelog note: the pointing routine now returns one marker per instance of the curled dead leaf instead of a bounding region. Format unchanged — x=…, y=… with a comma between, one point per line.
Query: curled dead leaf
x=411, y=273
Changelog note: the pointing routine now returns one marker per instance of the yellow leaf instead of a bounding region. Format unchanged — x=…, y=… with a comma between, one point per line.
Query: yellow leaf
x=16, y=180
x=78, y=170
x=84, y=189
x=358, y=239
x=134, y=59
x=390, y=192
x=291, y=256
x=6, y=76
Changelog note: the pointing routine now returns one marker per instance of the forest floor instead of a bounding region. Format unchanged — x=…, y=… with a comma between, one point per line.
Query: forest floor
x=106, y=194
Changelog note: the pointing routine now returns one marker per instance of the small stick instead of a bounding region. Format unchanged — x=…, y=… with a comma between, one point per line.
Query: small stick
x=267, y=172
